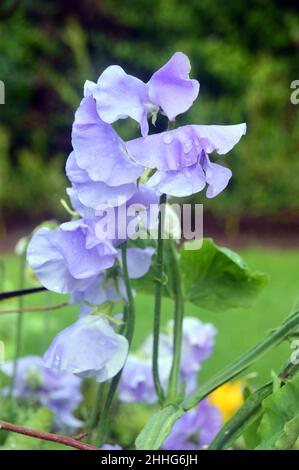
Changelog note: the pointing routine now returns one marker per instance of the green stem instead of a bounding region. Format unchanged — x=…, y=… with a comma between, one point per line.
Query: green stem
x=19, y=326
x=130, y=325
x=157, y=308
x=95, y=411
x=177, y=328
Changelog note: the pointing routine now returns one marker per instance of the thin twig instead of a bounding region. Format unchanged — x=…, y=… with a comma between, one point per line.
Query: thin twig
x=47, y=308
x=81, y=436
x=47, y=436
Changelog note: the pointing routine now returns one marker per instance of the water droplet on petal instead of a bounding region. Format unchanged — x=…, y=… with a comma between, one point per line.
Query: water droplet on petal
x=187, y=146
x=167, y=138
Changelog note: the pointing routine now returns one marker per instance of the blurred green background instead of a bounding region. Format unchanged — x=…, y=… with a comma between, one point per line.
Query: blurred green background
x=245, y=57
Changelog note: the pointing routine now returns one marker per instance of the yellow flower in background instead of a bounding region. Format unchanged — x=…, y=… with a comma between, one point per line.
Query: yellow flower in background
x=228, y=398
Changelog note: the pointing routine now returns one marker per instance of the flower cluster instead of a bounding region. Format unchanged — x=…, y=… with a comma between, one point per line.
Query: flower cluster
x=198, y=427
x=35, y=384
x=105, y=171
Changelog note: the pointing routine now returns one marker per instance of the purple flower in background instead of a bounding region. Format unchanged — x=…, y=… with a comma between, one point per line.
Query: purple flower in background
x=69, y=258
x=197, y=345
x=181, y=158
x=35, y=384
x=119, y=95
x=99, y=167
x=111, y=447
x=195, y=429
x=88, y=347
x=137, y=384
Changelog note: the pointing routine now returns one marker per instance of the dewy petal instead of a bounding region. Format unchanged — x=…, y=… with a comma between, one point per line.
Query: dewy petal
x=220, y=139
x=187, y=181
x=179, y=148
x=99, y=150
x=217, y=176
x=171, y=88
x=88, y=347
x=96, y=193
x=119, y=95
x=62, y=260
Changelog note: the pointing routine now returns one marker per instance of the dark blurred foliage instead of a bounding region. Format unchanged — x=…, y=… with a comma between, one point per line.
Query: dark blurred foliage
x=245, y=55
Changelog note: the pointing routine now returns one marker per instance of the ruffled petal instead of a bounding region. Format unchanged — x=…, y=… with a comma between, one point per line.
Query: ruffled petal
x=99, y=150
x=217, y=176
x=171, y=88
x=119, y=95
x=88, y=347
x=185, y=182
x=181, y=147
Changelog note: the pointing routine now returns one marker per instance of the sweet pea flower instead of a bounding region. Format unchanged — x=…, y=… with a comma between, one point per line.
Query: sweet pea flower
x=197, y=345
x=35, y=384
x=181, y=158
x=195, y=429
x=89, y=347
x=109, y=286
x=119, y=95
x=71, y=257
x=137, y=385
x=99, y=167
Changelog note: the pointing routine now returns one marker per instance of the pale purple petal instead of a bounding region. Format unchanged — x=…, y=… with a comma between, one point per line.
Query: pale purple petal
x=119, y=95
x=217, y=176
x=171, y=88
x=96, y=193
x=139, y=261
x=99, y=150
x=187, y=181
x=88, y=347
x=68, y=258
x=181, y=147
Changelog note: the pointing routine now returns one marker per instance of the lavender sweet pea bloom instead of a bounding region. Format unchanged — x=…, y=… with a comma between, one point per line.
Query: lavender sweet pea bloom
x=137, y=384
x=119, y=95
x=110, y=286
x=88, y=347
x=181, y=158
x=99, y=167
x=197, y=345
x=195, y=429
x=69, y=258
x=35, y=384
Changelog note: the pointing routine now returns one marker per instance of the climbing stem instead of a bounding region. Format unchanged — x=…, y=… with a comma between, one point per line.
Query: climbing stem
x=129, y=331
x=177, y=327
x=158, y=299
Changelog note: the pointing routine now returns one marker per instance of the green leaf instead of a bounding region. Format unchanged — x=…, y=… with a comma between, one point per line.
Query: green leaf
x=214, y=278
x=41, y=420
x=279, y=428
x=217, y=278
x=158, y=427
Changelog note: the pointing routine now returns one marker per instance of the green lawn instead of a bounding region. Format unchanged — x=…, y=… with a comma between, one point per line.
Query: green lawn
x=238, y=329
